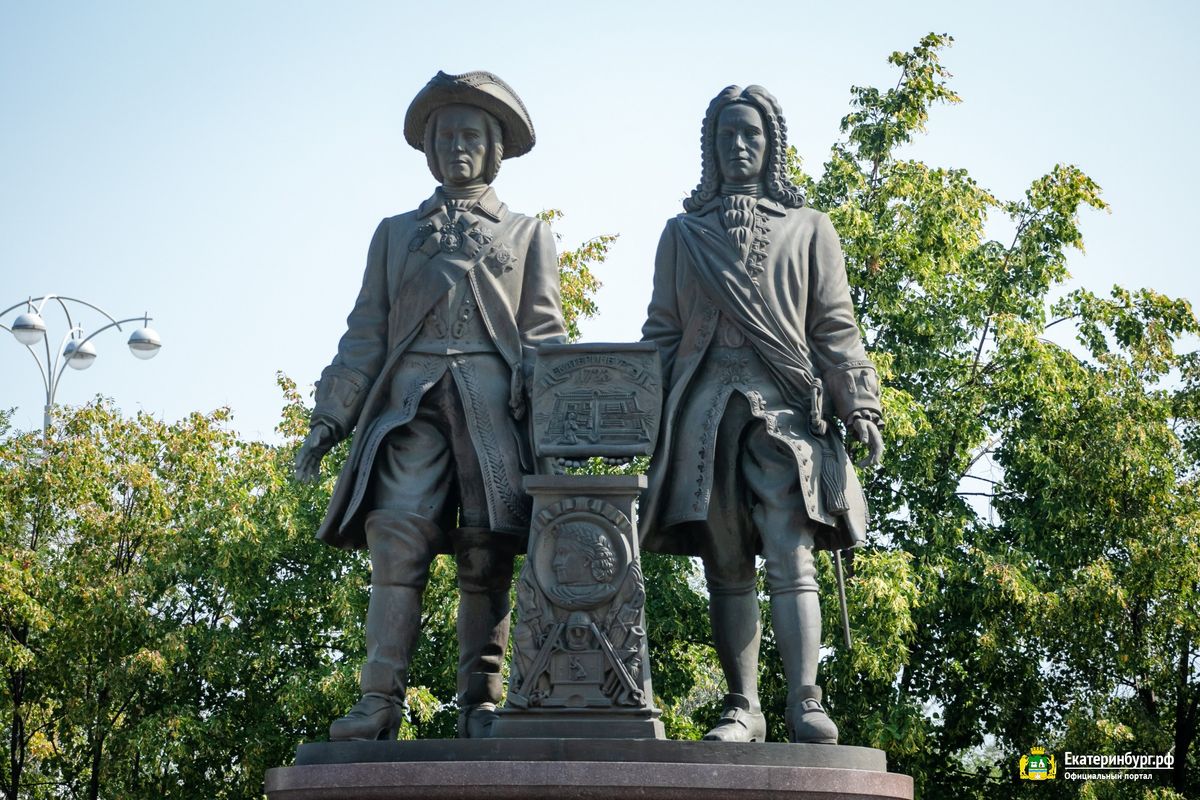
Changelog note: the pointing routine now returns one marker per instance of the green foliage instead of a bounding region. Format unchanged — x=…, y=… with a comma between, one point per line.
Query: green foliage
x=1034, y=569
x=578, y=284
x=684, y=672
x=884, y=121
x=173, y=602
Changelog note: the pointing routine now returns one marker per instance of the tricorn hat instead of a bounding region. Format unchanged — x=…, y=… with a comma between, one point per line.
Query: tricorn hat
x=481, y=89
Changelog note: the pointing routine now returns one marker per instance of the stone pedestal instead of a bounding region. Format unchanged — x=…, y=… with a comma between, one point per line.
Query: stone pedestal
x=580, y=668
x=527, y=769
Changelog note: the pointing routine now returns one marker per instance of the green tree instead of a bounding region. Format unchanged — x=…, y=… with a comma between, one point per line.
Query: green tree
x=1032, y=579
x=176, y=625
x=577, y=283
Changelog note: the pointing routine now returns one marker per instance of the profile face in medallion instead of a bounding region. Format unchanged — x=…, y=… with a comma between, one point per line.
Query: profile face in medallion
x=584, y=565
x=580, y=554
x=571, y=566
x=583, y=555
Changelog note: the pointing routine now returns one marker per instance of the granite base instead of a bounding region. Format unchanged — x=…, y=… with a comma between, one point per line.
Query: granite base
x=530, y=769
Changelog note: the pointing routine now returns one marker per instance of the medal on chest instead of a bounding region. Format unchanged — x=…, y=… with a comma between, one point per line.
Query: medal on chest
x=442, y=234
x=451, y=237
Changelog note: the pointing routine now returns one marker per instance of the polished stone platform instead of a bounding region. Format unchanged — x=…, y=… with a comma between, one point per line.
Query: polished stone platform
x=585, y=768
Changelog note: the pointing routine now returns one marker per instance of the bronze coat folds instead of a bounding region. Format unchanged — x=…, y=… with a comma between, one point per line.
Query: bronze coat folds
x=510, y=262
x=789, y=300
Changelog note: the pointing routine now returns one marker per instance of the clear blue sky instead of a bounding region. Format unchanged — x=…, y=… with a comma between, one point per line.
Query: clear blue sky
x=224, y=164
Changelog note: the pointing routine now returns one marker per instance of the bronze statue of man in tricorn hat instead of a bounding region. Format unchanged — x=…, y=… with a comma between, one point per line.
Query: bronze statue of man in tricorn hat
x=432, y=377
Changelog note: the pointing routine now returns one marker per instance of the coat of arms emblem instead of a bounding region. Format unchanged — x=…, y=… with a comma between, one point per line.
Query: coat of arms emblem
x=1037, y=766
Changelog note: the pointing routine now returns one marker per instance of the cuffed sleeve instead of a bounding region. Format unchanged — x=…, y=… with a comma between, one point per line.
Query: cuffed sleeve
x=341, y=393
x=853, y=391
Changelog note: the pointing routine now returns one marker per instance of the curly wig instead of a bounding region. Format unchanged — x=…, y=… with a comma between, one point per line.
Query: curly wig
x=591, y=543
x=779, y=186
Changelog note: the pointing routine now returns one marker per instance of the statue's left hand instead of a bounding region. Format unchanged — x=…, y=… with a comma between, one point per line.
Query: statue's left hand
x=867, y=432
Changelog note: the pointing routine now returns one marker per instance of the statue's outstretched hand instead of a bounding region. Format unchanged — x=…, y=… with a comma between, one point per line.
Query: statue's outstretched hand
x=867, y=432
x=320, y=440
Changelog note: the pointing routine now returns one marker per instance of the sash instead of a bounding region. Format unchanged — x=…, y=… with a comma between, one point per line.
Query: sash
x=735, y=295
x=728, y=285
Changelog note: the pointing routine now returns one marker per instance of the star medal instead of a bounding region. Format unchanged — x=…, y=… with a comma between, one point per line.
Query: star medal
x=500, y=260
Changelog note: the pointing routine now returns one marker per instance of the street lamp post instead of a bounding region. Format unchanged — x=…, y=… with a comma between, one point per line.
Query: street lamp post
x=76, y=350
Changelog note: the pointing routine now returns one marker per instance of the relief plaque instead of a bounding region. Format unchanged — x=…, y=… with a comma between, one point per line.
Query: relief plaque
x=596, y=400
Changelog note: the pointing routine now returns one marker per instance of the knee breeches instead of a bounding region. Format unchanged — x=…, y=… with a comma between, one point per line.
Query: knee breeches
x=757, y=505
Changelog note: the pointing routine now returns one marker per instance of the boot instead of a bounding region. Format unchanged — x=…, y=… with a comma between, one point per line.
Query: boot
x=742, y=721
x=485, y=564
x=393, y=622
x=477, y=706
x=400, y=556
x=737, y=633
x=807, y=720
x=379, y=714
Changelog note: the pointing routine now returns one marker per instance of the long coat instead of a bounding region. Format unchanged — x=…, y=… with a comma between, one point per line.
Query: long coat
x=413, y=261
x=790, y=299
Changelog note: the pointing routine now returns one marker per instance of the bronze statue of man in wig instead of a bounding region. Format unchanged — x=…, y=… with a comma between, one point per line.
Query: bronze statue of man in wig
x=432, y=377
x=752, y=314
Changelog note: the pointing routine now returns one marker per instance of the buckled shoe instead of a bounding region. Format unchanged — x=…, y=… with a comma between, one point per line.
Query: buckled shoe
x=807, y=721
x=739, y=723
